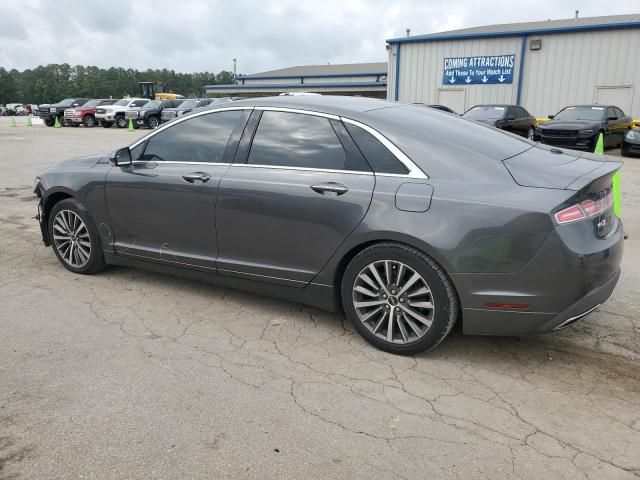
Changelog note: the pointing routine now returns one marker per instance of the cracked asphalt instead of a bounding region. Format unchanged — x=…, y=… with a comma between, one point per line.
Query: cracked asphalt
x=130, y=374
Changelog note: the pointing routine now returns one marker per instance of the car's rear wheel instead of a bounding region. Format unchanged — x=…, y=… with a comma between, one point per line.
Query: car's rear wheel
x=89, y=121
x=398, y=298
x=74, y=238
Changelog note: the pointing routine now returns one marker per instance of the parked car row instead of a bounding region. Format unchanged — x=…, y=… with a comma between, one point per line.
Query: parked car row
x=107, y=112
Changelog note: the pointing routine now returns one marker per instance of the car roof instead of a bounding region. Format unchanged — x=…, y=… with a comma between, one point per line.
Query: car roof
x=351, y=107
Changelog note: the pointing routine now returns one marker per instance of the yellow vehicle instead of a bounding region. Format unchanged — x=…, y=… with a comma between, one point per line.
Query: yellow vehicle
x=156, y=91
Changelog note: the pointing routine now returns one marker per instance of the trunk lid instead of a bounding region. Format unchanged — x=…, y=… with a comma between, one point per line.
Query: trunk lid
x=547, y=167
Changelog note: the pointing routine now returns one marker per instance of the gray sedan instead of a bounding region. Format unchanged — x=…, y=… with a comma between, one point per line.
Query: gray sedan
x=383, y=210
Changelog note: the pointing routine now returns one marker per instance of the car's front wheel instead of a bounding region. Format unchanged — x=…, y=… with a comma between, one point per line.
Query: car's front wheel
x=74, y=237
x=530, y=133
x=89, y=121
x=398, y=298
x=153, y=122
x=121, y=122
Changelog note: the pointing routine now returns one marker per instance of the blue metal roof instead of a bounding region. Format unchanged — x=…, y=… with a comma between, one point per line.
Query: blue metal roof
x=614, y=22
x=307, y=86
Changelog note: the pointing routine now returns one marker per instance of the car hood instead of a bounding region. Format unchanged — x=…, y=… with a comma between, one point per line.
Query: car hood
x=77, y=163
x=543, y=166
x=568, y=125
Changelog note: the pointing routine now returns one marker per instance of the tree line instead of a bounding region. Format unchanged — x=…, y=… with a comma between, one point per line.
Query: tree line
x=54, y=82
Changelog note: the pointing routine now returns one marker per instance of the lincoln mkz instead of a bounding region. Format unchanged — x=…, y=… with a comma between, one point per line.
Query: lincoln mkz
x=405, y=218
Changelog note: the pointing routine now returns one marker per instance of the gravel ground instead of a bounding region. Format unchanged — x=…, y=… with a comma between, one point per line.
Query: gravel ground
x=129, y=374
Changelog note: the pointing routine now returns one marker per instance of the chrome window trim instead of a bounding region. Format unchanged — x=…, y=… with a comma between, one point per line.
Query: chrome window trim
x=182, y=119
x=297, y=110
x=173, y=162
x=304, y=169
x=414, y=170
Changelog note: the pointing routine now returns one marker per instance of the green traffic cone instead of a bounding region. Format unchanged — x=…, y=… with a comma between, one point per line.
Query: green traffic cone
x=617, y=197
x=599, y=145
x=29, y=124
x=57, y=124
x=13, y=121
x=130, y=125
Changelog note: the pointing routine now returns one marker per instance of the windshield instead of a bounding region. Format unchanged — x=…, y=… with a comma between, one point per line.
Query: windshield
x=485, y=113
x=92, y=103
x=189, y=103
x=580, y=113
x=153, y=104
x=122, y=103
x=66, y=101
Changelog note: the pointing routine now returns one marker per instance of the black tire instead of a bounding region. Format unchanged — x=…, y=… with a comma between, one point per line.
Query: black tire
x=96, y=261
x=443, y=294
x=153, y=122
x=121, y=122
x=61, y=121
x=106, y=124
x=89, y=121
x=531, y=134
x=49, y=123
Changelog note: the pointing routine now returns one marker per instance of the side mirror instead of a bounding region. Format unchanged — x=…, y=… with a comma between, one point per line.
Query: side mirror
x=550, y=117
x=121, y=158
x=612, y=118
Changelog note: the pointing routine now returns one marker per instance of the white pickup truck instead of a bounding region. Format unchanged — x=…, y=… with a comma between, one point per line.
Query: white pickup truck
x=109, y=114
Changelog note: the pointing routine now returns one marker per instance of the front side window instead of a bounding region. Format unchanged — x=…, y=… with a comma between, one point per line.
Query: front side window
x=297, y=140
x=199, y=139
x=138, y=103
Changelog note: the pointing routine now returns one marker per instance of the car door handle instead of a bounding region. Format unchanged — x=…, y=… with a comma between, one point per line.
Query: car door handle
x=196, y=176
x=330, y=188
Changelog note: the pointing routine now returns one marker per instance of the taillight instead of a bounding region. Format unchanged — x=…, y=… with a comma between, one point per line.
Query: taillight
x=585, y=209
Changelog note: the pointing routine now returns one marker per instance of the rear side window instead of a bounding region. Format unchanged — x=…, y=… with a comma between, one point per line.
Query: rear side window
x=199, y=139
x=378, y=156
x=297, y=140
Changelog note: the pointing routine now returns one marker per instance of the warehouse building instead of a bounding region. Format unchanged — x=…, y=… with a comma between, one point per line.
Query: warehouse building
x=365, y=79
x=542, y=66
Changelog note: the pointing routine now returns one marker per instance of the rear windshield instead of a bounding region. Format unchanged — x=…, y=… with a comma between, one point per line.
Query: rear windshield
x=580, y=113
x=485, y=113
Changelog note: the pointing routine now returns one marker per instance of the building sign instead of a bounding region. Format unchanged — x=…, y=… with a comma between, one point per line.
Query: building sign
x=490, y=69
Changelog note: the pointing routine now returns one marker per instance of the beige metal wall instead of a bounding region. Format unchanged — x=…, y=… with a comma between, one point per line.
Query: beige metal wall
x=569, y=69
x=421, y=70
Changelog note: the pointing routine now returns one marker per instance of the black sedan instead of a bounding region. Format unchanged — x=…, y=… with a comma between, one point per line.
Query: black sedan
x=378, y=209
x=631, y=143
x=511, y=118
x=578, y=127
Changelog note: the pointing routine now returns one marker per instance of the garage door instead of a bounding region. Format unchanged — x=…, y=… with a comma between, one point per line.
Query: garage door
x=452, y=98
x=618, y=96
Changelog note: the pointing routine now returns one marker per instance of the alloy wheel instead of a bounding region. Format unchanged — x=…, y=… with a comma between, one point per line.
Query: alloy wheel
x=153, y=122
x=530, y=134
x=393, y=301
x=71, y=238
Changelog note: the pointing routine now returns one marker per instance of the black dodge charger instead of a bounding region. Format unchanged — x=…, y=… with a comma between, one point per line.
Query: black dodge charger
x=578, y=127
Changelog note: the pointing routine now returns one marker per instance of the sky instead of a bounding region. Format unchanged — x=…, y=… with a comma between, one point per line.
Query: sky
x=201, y=35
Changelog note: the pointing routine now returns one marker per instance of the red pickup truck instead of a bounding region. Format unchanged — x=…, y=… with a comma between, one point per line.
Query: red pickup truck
x=85, y=114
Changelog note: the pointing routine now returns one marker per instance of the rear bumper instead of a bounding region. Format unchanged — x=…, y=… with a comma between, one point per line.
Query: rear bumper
x=568, y=278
